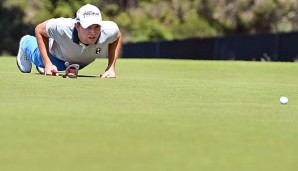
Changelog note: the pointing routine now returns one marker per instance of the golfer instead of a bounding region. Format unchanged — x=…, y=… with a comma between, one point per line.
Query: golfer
x=76, y=41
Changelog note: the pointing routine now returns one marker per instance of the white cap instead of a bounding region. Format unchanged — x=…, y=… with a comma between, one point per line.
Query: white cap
x=88, y=15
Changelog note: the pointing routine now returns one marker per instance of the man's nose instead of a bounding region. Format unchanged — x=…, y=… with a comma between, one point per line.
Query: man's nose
x=92, y=31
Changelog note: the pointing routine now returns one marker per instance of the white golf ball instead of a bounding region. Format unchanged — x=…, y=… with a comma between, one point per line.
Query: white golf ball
x=283, y=100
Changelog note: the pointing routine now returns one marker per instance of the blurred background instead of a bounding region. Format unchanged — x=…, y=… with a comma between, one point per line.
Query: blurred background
x=155, y=20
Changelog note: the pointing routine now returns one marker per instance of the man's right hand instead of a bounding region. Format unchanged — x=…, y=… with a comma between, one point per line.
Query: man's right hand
x=42, y=38
x=50, y=69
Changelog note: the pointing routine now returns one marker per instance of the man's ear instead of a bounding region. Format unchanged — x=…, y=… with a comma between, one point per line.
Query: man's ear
x=77, y=25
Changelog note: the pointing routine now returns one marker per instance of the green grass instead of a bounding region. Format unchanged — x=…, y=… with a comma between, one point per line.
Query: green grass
x=158, y=115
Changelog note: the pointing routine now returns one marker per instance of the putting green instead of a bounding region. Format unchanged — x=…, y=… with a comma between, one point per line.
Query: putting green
x=157, y=115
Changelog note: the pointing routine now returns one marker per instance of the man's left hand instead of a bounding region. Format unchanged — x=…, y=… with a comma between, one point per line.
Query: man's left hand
x=109, y=74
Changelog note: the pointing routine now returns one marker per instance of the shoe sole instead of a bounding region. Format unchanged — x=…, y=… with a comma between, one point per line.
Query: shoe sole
x=18, y=55
x=39, y=71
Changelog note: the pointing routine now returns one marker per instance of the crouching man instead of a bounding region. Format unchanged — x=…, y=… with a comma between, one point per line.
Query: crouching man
x=76, y=41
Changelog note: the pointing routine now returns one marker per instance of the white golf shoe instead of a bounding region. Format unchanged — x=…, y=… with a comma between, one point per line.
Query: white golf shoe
x=23, y=63
x=40, y=70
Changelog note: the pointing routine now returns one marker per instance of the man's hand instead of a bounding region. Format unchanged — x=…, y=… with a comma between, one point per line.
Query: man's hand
x=113, y=50
x=50, y=69
x=110, y=73
x=42, y=38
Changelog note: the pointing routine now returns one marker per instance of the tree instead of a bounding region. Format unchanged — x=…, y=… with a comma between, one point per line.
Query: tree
x=163, y=20
x=12, y=28
x=155, y=20
x=250, y=16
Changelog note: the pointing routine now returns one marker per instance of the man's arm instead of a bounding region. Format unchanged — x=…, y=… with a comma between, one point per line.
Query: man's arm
x=43, y=42
x=113, y=50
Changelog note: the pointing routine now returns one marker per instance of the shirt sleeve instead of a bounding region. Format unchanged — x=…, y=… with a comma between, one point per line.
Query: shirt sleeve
x=56, y=28
x=111, y=30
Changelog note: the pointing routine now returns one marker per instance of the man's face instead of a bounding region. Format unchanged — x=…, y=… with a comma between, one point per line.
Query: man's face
x=89, y=35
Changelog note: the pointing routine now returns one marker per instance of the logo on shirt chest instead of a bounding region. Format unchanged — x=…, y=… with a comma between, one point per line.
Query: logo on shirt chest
x=97, y=50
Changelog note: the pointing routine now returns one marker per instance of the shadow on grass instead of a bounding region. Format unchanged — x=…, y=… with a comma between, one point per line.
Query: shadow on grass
x=82, y=76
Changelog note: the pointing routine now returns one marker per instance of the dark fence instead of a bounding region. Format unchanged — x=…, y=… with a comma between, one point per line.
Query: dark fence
x=274, y=47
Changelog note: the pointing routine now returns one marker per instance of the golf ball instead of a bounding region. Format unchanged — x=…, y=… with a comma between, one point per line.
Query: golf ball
x=283, y=100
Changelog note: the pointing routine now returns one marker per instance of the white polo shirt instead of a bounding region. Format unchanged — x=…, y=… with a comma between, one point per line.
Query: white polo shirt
x=64, y=42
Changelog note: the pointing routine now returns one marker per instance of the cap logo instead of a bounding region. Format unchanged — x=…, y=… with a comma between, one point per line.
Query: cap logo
x=90, y=14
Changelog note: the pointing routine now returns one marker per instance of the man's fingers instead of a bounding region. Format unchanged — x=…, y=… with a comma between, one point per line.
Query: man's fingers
x=48, y=73
x=107, y=75
x=110, y=76
x=52, y=72
x=104, y=75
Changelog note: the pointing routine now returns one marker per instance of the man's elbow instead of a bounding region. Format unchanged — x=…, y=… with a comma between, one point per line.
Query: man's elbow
x=119, y=37
x=37, y=29
x=40, y=29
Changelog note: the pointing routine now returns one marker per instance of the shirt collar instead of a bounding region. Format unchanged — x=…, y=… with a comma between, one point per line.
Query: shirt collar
x=75, y=36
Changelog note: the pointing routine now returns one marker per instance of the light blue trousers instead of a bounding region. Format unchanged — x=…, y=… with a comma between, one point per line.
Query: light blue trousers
x=30, y=47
